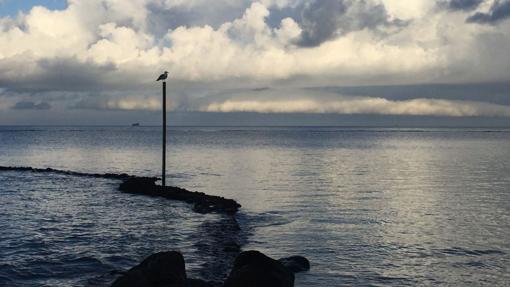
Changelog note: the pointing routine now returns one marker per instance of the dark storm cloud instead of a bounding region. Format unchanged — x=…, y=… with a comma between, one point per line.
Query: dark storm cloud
x=464, y=5
x=495, y=93
x=163, y=18
x=60, y=74
x=319, y=21
x=92, y=101
x=499, y=11
x=28, y=105
x=71, y=74
x=323, y=20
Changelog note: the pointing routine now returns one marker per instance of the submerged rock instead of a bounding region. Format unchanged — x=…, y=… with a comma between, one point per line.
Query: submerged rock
x=120, y=176
x=254, y=269
x=295, y=263
x=160, y=269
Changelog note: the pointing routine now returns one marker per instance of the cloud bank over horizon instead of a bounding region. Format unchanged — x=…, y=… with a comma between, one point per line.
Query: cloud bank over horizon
x=257, y=56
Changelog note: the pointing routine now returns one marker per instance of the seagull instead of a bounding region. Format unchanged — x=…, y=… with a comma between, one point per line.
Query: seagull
x=163, y=76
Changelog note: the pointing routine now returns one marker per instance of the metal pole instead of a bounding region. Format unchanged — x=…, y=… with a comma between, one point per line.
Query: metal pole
x=163, y=172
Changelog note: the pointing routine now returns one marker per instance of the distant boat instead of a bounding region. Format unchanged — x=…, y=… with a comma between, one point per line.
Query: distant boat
x=135, y=125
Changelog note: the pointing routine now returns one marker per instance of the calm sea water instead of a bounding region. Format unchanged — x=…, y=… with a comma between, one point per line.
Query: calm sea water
x=367, y=206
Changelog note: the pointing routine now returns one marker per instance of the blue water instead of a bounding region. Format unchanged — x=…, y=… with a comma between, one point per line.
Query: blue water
x=367, y=206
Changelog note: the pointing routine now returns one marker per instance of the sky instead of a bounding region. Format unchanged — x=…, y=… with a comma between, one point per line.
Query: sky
x=256, y=62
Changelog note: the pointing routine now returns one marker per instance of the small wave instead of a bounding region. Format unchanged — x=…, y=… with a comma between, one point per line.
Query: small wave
x=476, y=264
x=363, y=198
x=459, y=251
x=266, y=219
x=346, y=221
x=209, y=174
x=20, y=131
x=180, y=175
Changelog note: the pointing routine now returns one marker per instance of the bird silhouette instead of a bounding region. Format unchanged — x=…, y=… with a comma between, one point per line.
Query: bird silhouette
x=163, y=76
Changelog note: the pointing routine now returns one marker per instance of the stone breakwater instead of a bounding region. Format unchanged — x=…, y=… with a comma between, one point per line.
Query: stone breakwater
x=202, y=203
x=219, y=241
x=121, y=176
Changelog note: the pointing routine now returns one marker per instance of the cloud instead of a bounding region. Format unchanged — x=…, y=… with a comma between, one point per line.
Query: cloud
x=116, y=102
x=337, y=42
x=56, y=74
x=105, y=54
x=169, y=15
x=464, y=5
x=324, y=20
x=335, y=101
x=308, y=101
x=28, y=105
x=499, y=11
x=366, y=105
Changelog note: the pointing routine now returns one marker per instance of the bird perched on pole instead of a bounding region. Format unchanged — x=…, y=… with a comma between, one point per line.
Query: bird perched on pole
x=163, y=76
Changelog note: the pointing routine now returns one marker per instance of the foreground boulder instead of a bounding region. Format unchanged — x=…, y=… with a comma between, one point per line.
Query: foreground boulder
x=295, y=263
x=158, y=270
x=254, y=269
x=251, y=269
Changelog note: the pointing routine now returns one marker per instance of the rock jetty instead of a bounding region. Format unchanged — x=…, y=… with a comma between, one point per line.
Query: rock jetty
x=220, y=240
x=202, y=203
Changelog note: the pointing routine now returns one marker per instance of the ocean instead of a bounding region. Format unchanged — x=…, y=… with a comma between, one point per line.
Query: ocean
x=366, y=206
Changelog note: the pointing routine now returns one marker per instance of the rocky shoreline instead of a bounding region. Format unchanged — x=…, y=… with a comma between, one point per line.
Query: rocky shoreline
x=220, y=240
x=202, y=203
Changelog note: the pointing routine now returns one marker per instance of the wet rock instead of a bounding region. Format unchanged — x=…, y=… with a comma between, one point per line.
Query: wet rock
x=254, y=269
x=295, y=263
x=160, y=269
x=139, y=185
x=121, y=176
x=202, y=203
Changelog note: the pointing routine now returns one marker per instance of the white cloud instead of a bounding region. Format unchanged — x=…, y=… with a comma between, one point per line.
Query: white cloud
x=110, y=31
x=112, y=41
x=408, y=9
x=133, y=104
x=364, y=105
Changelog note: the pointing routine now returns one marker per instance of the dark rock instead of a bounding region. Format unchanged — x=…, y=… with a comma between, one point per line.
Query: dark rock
x=254, y=269
x=160, y=269
x=202, y=203
x=201, y=207
x=143, y=185
x=121, y=176
x=296, y=263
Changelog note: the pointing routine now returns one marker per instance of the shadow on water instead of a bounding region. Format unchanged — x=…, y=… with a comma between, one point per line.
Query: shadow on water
x=219, y=242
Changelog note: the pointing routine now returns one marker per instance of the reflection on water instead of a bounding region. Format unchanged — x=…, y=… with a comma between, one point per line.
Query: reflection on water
x=368, y=207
